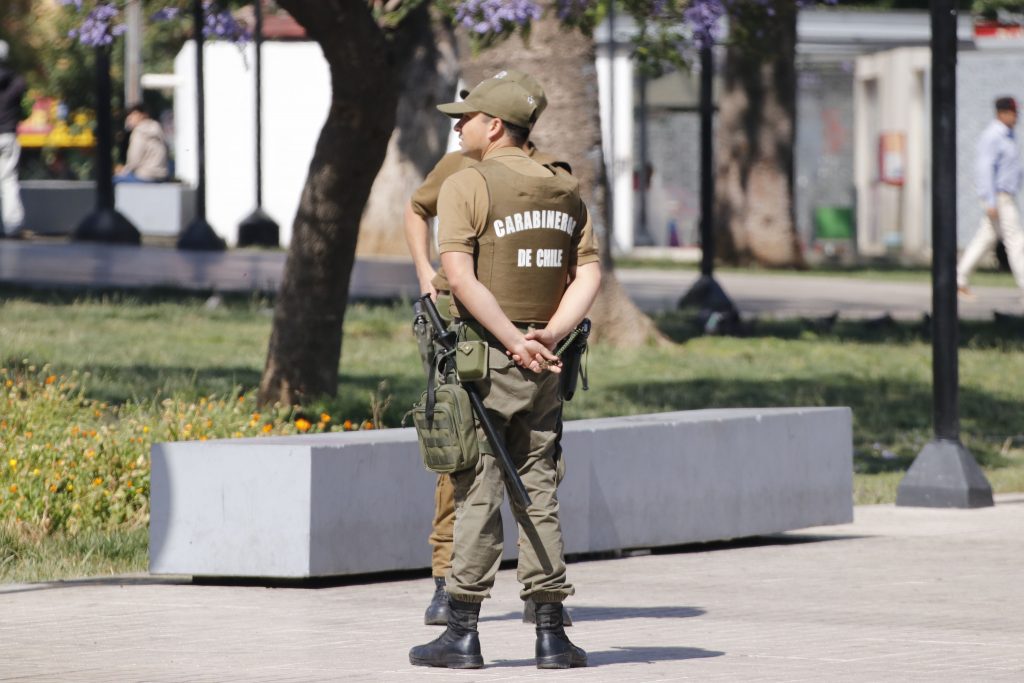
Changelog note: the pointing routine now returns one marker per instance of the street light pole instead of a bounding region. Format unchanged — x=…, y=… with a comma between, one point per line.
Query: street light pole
x=105, y=224
x=706, y=294
x=258, y=228
x=199, y=235
x=944, y=474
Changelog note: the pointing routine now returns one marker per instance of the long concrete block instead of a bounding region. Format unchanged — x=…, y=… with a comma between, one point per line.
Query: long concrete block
x=360, y=502
x=156, y=208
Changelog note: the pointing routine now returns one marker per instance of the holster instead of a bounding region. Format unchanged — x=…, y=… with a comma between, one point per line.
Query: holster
x=572, y=363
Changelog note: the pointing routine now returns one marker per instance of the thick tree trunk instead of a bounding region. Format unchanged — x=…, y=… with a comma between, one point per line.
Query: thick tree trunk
x=562, y=60
x=755, y=137
x=428, y=59
x=305, y=342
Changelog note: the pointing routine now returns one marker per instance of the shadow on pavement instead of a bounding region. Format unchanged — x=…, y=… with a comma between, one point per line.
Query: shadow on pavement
x=628, y=655
x=585, y=613
x=98, y=581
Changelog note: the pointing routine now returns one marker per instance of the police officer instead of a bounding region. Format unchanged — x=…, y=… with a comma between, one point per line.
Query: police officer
x=512, y=233
x=421, y=209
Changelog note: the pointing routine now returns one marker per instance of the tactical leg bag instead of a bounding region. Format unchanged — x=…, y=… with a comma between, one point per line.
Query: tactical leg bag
x=446, y=429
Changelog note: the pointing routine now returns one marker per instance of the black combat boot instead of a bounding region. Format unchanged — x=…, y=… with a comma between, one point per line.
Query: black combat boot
x=459, y=646
x=437, y=610
x=530, y=613
x=554, y=649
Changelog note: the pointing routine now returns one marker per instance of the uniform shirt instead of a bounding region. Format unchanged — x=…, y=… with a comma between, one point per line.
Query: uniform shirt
x=998, y=163
x=464, y=205
x=424, y=199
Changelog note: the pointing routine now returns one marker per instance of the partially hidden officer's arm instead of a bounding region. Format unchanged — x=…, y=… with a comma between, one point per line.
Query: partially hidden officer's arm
x=462, y=212
x=417, y=237
x=421, y=208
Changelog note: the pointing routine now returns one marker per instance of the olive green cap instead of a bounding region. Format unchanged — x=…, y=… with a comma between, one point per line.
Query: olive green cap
x=511, y=96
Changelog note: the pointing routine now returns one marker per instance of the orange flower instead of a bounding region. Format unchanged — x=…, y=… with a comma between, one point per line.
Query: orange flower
x=14, y=488
x=51, y=379
x=97, y=481
x=324, y=417
x=367, y=425
x=267, y=428
x=302, y=424
x=348, y=424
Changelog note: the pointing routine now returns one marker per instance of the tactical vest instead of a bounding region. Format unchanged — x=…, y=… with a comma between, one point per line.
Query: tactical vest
x=529, y=242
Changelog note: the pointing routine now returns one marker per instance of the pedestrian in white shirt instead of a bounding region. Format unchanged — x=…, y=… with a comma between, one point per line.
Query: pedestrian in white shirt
x=998, y=179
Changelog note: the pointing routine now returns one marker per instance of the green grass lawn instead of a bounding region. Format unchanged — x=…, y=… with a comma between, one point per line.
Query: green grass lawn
x=141, y=352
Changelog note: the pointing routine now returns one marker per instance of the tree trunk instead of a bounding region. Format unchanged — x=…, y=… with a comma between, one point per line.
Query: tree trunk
x=755, y=137
x=562, y=60
x=428, y=59
x=305, y=342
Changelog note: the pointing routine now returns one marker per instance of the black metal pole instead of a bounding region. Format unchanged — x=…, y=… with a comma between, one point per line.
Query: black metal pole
x=258, y=48
x=104, y=131
x=643, y=232
x=706, y=294
x=105, y=224
x=707, y=156
x=198, y=21
x=606, y=256
x=944, y=474
x=199, y=234
x=258, y=228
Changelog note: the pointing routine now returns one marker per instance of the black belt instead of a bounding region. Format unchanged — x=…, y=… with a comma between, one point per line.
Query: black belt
x=477, y=332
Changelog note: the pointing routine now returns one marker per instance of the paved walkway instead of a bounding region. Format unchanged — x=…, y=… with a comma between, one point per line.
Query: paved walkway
x=902, y=594
x=76, y=264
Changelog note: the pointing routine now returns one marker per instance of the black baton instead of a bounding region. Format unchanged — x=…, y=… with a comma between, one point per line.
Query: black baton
x=446, y=338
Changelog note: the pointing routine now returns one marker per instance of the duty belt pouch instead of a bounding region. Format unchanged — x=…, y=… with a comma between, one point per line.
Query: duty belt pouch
x=446, y=429
x=471, y=362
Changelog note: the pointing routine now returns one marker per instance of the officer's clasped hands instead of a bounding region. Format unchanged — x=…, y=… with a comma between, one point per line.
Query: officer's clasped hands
x=534, y=355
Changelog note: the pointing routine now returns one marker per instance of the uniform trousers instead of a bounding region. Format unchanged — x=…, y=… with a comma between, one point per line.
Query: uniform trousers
x=525, y=408
x=1008, y=227
x=13, y=213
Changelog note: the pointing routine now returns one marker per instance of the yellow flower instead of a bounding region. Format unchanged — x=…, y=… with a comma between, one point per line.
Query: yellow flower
x=89, y=453
x=35, y=472
x=145, y=429
x=267, y=428
x=302, y=424
x=203, y=438
x=324, y=417
x=71, y=487
x=13, y=463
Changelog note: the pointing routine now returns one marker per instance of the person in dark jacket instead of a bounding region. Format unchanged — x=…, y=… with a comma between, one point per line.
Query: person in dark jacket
x=12, y=89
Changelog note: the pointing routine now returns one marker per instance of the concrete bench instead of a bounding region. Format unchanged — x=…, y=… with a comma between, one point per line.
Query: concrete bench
x=162, y=209
x=361, y=502
x=56, y=207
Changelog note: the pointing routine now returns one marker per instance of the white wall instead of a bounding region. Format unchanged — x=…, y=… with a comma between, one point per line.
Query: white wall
x=296, y=97
x=619, y=162
x=891, y=95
